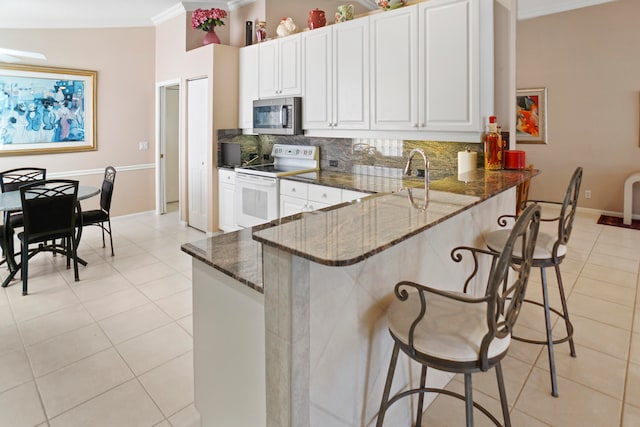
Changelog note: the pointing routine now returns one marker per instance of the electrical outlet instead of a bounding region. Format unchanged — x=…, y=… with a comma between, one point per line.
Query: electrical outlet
x=333, y=163
x=587, y=194
x=143, y=145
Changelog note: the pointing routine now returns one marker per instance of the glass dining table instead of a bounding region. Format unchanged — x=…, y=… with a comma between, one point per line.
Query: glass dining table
x=10, y=202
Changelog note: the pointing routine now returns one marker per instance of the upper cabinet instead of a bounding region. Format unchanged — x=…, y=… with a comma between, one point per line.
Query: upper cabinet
x=249, y=77
x=394, y=69
x=449, y=65
x=280, y=67
x=424, y=71
x=336, y=76
x=425, y=67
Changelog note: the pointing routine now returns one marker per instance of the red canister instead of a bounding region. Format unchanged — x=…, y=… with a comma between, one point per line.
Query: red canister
x=514, y=159
x=316, y=19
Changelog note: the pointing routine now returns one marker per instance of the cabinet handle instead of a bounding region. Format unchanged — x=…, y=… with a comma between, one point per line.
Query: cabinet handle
x=415, y=125
x=293, y=190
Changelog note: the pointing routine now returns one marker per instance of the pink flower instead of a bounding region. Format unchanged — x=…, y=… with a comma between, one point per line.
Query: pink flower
x=207, y=19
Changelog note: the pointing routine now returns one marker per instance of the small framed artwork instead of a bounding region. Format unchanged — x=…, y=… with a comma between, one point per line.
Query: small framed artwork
x=46, y=110
x=531, y=116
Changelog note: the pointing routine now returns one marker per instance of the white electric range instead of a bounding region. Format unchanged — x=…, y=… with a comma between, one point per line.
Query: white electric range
x=257, y=192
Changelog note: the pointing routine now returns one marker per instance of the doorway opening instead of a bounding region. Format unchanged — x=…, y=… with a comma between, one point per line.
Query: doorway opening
x=168, y=152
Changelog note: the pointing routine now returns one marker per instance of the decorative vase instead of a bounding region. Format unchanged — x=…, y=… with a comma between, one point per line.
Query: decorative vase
x=391, y=4
x=210, y=37
x=316, y=19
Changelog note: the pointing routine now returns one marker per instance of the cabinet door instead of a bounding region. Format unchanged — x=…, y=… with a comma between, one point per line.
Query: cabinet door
x=317, y=79
x=248, y=88
x=226, y=200
x=349, y=195
x=290, y=66
x=449, y=65
x=394, y=68
x=292, y=205
x=198, y=167
x=269, y=82
x=351, y=74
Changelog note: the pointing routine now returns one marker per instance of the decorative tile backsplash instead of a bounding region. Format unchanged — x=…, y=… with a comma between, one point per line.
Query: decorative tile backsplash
x=370, y=156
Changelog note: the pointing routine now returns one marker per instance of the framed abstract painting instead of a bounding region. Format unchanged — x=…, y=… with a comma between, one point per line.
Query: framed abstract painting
x=46, y=110
x=531, y=116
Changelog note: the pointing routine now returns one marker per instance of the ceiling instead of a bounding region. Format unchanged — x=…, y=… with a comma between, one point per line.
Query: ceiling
x=141, y=13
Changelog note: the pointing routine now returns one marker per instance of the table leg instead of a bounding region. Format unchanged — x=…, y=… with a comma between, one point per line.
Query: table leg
x=9, y=252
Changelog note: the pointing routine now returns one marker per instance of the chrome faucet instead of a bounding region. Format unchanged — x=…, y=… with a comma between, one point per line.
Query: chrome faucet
x=407, y=172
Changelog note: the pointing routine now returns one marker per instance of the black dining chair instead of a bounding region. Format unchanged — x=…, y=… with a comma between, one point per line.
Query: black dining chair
x=458, y=332
x=101, y=217
x=11, y=180
x=49, y=214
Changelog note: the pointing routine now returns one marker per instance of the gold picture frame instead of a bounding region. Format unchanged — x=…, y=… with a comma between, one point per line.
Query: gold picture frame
x=531, y=116
x=46, y=110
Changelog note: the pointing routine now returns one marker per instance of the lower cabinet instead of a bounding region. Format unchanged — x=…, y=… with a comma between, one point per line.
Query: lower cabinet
x=226, y=200
x=296, y=197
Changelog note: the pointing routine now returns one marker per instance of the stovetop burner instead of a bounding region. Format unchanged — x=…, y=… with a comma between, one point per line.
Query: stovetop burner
x=287, y=160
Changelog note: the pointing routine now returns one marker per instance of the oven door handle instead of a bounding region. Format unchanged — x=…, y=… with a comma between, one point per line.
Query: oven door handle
x=255, y=180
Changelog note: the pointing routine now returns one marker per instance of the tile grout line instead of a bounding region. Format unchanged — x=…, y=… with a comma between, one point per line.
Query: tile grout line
x=626, y=377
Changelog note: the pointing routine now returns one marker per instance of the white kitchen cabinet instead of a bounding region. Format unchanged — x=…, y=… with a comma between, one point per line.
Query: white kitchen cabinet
x=350, y=195
x=320, y=196
x=426, y=68
x=296, y=197
x=449, y=49
x=336, y=76
x=226, y=200
x=249, y=88
x=280, y=67
x=394, y=69
x=293, y=197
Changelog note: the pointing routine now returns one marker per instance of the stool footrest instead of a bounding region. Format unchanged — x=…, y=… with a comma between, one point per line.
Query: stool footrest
x=476, y=405
x=545, y=342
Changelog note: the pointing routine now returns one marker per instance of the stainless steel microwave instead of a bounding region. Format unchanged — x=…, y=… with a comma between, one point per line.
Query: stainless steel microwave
x=278, y=116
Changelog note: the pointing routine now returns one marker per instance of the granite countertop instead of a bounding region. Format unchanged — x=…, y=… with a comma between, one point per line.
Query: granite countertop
x=235, y=253
x=351, y=231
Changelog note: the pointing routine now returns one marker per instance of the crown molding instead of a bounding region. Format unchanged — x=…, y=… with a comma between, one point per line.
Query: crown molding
x=182, y=7
x=528, y=9
x=176, y=10
x=237, y=4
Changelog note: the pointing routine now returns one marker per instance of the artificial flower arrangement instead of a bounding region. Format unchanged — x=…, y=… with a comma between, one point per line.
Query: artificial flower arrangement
x=207, y=19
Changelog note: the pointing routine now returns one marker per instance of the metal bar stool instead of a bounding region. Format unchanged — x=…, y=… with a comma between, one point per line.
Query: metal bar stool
x=457, y=332
x=550, y=251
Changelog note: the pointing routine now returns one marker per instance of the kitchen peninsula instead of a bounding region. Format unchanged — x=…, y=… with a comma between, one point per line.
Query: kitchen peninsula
x=289, y=326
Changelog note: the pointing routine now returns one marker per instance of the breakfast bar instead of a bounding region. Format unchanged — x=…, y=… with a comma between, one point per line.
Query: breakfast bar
x=289, y=317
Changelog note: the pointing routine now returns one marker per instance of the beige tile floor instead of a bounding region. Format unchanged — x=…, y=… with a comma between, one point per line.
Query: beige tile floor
x=601, y=387
x=115, y=349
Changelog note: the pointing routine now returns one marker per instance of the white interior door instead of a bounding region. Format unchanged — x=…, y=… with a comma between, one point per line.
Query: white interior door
x=197, y=115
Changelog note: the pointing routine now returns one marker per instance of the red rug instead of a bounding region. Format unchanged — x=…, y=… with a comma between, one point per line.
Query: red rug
x=617, y=222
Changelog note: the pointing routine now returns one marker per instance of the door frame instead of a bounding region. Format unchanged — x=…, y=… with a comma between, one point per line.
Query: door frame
x=161, y=188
